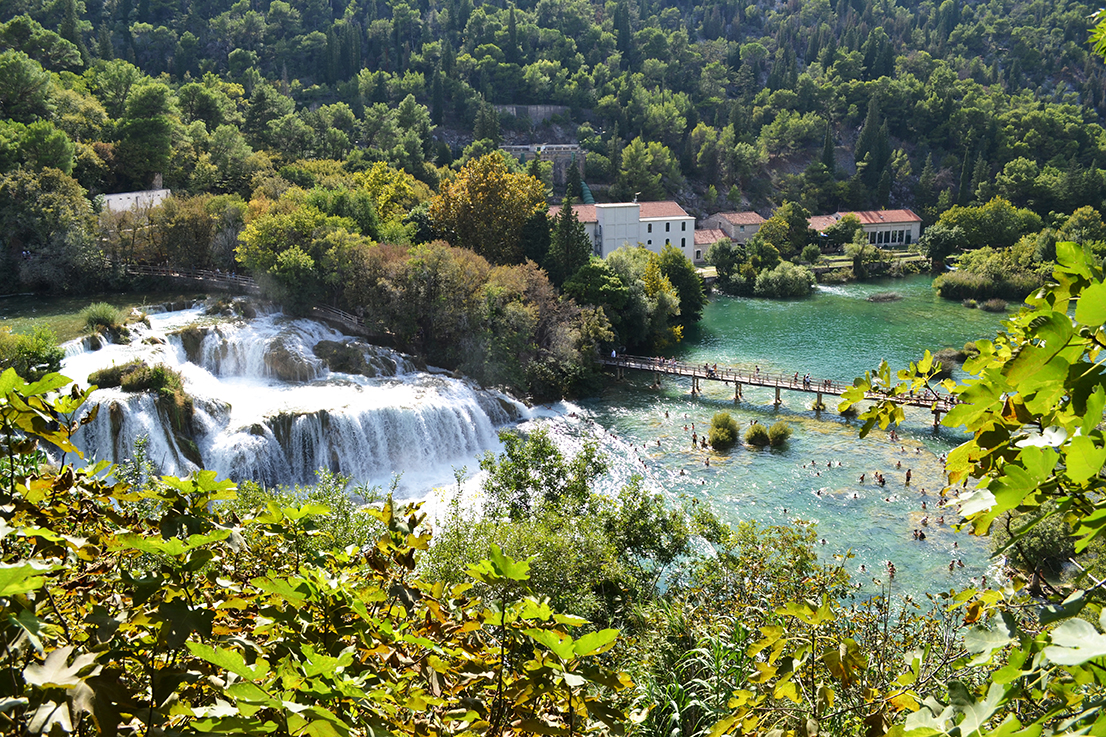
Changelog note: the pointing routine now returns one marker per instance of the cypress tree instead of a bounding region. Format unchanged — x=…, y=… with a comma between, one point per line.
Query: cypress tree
x=925, y=191
x=883, y=194
x=569, y=245
x=512, y=50
x=573, y=190
x=829, y=159
x=964, y=191
x=437, y=99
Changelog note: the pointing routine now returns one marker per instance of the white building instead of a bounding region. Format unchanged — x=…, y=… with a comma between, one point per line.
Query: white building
x=651, y=224
x=123, y=201
x=887, y=228
x=739, y=227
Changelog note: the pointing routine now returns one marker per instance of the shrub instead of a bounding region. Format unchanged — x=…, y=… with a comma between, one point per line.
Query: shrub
x=969, y=285
x=785, y=280
x=948, y=357
x=812, y=253
x=101, y=315
x=778, y=433
x=136, y=376
x=32, y=356
x=723, y=431
x=757, y=435
x=971, y=304
x=994, y=305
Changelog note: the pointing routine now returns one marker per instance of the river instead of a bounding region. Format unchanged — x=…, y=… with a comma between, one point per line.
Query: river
x=276, y=420
x=836, y=334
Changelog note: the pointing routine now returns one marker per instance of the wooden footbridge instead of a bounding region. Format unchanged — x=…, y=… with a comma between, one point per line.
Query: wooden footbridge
x=232, y=282
x=936, y=403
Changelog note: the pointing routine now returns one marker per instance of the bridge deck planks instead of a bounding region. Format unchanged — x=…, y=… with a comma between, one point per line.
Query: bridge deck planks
x=727, y=374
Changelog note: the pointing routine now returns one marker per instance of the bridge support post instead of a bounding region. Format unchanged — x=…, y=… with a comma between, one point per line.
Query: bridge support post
x=936, y=418
x=736, y=391
x=818, y=406
x=694, y=385
x=778, y=400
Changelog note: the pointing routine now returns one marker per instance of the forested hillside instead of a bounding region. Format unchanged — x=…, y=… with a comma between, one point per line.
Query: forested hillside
x=853, y=105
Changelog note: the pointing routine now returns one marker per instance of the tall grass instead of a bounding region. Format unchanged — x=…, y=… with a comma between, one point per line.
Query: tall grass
x=101, y=315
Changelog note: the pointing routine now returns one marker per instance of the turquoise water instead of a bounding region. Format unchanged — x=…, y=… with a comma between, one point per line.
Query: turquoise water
x=837, y=334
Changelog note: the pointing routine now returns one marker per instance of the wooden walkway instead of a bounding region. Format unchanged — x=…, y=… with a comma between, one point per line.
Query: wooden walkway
x=231, y=282
x=936, y=403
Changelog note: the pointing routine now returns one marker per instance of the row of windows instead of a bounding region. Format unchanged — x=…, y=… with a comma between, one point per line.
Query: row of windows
x=667, y=227
x=889, y=236
x=667, y=242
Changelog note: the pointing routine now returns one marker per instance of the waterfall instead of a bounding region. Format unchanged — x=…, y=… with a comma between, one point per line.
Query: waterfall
x=269, y=408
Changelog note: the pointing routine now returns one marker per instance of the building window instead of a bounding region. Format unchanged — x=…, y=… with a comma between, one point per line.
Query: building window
x=908, y=237
x=872, y=238
x=742, y=228
x=683, y=225
x=901, y=234
x=667, y=242
x=649, y=228
x=649, y=242
x=667, y=227
x=683, y=242
x=698, y=255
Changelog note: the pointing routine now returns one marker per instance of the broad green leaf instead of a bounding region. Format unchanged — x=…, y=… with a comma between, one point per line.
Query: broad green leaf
x=1070, y=607
x=1083, y=459
x=251, y=694
x=229, y=660
x=22, y=578
x=56, y=672
x=596, y=642
x=561, y=645
x=1075, y=642
x=983, y=641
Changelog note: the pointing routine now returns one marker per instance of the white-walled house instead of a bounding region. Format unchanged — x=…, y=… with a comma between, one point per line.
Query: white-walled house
x=652, y=224
x=888, y=228
x=739, y=227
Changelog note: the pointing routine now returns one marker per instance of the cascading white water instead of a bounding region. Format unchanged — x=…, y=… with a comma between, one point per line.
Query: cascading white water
x=268, y=409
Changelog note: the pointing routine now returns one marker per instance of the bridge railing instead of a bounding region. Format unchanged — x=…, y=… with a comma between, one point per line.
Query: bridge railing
x=205, y=275
x=768, y=379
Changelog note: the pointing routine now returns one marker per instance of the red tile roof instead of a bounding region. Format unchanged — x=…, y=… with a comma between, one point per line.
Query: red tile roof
x=742, y=218
x=667, y=209
x=866, y=217
x=877, y=217
x=708, y=236
x=584, y=213
x=821, y=222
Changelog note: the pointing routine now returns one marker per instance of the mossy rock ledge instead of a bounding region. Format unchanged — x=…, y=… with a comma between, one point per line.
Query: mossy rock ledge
x=345, y=358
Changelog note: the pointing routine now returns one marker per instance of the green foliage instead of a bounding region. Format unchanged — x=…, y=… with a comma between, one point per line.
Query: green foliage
x=1035, y=459
x=532, y=473
x=100, y=315
x=988, y=272
x=570, y=248
x=724, y=431
x=280, y=636
x=592, y=554
x=785, y=281
x=757, y=435
x=811, y=253
x=485, y=207
x=163, y=381
x=649, y=319
x=32, y=355
x=779, y=433
x=681, y=274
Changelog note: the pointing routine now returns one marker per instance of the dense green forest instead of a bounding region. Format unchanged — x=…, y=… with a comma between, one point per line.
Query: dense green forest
x=838, y=107
x=145, y=604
